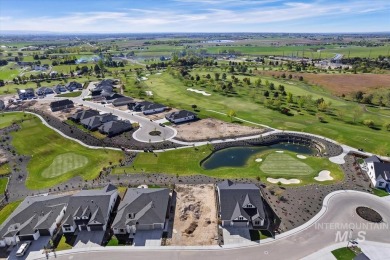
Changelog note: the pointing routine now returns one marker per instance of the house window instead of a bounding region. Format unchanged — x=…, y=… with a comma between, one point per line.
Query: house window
x=122, y=230
x=68, y=229
x=257, y=222
x=381, y=183
x=240, y=218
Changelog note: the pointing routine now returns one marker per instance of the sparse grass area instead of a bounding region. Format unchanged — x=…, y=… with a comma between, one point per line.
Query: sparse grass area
x=6, y=119
x=45, y=145
x=3, y=185
x=7, y=210
x=343, y=254
x=4, y=169
x=187, y=162
x=70, y=94
x=380, y=192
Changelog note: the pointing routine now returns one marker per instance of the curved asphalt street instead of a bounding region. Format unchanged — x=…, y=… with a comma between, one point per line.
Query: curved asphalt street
x=339, y=208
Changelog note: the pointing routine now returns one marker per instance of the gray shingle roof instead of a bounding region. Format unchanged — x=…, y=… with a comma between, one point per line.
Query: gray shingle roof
x=373, y=158
x=86, y=202
x=180, y=114
x=233, y=198
x=33, y=213
x=149, y=206
x=115, y=127
x=382, y=170
x=85, y=114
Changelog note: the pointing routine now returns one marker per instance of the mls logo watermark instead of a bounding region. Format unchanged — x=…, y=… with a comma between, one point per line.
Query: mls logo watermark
x=351, y=232
x=344, y=236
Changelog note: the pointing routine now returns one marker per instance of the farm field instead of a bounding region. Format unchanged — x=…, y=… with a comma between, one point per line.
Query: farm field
x=187, y=162
x=52, y=155
x=172, y=92
x=342, y=83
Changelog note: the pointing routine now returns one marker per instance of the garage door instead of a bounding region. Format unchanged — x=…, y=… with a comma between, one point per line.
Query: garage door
x=44, y=232
x=27, y=237
x=83, y=227
x=96, y=228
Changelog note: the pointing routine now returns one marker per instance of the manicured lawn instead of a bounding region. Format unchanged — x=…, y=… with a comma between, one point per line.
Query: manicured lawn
x=344, y=254
x=380, y=192
x=70, y=94
x=7, y=119
x=4, y=169
x=172, y=92
x=7, y=210
x=52, y=155
x=3, y=184
x=291, y=166
x=187, y=162
x=259, y=234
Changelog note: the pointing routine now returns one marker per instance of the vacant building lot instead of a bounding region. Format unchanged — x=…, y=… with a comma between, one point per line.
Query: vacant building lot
x=210, y=128
x=195, y=221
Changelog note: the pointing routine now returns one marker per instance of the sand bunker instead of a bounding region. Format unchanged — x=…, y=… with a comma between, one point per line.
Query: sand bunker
x=143, y=78
x=280, y=151
x=149, y=93
x=283, y=181
x=324, y=176
x=199, y=91
x=259, y=160
x=300, y=156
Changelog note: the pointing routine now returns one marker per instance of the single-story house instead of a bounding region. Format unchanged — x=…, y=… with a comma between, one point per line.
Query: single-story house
x=93, y=123
x=153, y=108
x=139, y=105
x=142, y=209
x=71, y=86
x=43, y=91
x=77, y=117
x=89, y=210
x=180, y=116
x=26, y=93
x=240, y=205
x=122, y=101
x=111, y=98
x=36, y=216
x=58, y=89
x=378, y=172
x=61, y=105
x=113, y=128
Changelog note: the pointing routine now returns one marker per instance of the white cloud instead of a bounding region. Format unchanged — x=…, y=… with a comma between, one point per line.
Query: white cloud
x=206, y=19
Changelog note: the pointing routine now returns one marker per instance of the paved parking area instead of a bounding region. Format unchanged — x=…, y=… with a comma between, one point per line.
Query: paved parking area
x=34, y=251
x=86, y=239
x=148, y=238
x=234, y=236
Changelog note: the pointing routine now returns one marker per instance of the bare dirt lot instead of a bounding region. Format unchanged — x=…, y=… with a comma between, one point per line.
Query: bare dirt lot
x=342, y=83
x=62, y=115
x=195, y=221
x=210, y=128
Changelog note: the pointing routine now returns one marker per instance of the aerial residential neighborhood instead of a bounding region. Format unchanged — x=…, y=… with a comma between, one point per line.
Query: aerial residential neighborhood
x=194, y=129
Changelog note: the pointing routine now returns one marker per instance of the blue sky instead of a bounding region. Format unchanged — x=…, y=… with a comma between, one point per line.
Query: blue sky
x=139, y=16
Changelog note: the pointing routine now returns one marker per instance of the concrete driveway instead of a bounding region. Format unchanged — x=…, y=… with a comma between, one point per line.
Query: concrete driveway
x=148, y=238
x=87, y=239
x=236, y=236
x=35, y=250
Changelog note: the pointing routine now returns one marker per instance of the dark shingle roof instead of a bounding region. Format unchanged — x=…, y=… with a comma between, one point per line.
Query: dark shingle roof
x=115, y=126
x=148, y=205
x=85, y=114
x=61, y=103
x=39, y=212
x=180, y=114
x=122, y=101
x=233, y=196
x=152, y=106
x=382, y=170
x=85, y=202
x=373, y=158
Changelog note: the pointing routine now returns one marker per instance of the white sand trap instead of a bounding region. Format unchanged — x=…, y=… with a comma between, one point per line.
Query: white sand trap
x=199, y=91
x=259, y=160
x=144, y=78
x=280, y=151
x=283, y=181
x=147, y=75
x=300, y=156
x=149, y=93
x=324, y=176
x=158, y=73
